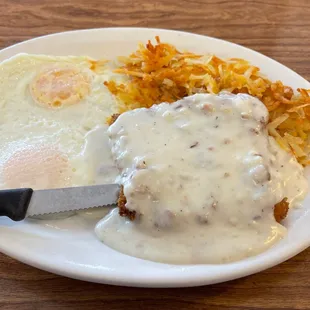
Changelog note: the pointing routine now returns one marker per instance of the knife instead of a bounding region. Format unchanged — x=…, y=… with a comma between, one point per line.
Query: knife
x=20, y=203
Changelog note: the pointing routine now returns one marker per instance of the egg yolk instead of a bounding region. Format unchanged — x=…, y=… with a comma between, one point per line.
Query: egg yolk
x=37, y=168
x=59, y=87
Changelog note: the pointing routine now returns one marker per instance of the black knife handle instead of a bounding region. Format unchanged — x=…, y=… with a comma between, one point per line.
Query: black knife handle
x=14, y=203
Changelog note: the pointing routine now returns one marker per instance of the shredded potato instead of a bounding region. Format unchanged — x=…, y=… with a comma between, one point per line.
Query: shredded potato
x=160, y=73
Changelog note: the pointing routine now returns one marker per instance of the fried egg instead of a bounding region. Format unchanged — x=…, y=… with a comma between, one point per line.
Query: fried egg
x=53, y=120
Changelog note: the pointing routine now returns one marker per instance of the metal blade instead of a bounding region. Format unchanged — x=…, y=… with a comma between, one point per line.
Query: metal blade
x=72, y=198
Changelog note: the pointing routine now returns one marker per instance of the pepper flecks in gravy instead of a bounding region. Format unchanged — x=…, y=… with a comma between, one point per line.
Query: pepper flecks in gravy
x=203, y=176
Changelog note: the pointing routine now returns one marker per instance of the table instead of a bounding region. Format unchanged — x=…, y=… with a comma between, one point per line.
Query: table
x=279, y=29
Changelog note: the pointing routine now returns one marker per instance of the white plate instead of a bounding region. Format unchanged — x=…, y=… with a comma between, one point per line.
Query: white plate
x=69, y=247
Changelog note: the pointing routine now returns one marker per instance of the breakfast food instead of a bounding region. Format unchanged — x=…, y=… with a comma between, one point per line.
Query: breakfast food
x=160, y=73
x=52, y=110
x=201, y=179
x=208, y=152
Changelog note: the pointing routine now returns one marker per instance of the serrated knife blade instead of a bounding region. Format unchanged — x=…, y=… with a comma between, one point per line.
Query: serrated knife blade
x=24, y=202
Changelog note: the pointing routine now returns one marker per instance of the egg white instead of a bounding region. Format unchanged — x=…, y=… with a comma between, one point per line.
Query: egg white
x=24, y=124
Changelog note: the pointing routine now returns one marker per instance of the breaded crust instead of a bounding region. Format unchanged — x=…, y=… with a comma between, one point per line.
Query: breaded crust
x=121, y=203
x=280, y=210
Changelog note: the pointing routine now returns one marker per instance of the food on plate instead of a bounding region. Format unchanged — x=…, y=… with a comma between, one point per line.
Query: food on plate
x=121, y=204
x=160, y=73
x=201, y=178
x=208, y=152
x=53, y=122
x=280, y=210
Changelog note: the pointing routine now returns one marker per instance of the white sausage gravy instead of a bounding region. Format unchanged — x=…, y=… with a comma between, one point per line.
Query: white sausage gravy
x=203, y=176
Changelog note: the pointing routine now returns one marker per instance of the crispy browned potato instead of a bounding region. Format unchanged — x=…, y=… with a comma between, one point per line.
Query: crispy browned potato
x=113, y=118
x=280, y=210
